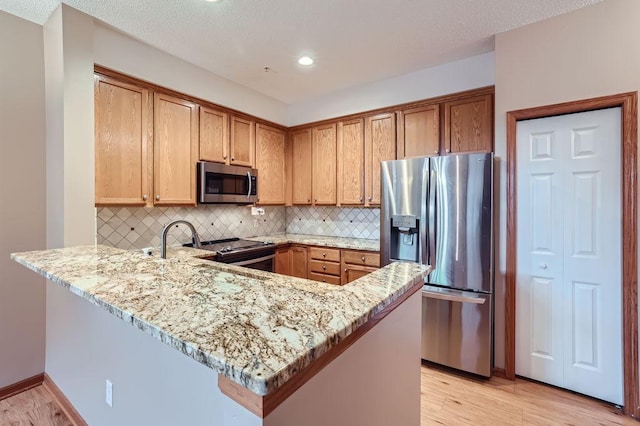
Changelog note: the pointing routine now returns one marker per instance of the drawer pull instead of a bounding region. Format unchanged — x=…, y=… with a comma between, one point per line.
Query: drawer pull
x=362, y=258
x=324, y=254
x=324, y=267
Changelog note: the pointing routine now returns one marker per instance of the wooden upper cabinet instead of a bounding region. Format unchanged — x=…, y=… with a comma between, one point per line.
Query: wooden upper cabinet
x=301, y=166
x=214, y=135
x=123, y=132
x=380, y=145
x=270, y=162
x=350, y=162
x=418, y=131
x=468, y=125
x=242, y=147
x=175, y=150
x=323, y=181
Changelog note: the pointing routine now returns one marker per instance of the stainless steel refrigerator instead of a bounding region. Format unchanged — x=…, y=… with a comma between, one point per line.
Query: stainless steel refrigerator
x=438, y=211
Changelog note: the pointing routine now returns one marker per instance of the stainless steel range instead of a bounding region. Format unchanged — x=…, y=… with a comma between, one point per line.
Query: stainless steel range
x=234, y=251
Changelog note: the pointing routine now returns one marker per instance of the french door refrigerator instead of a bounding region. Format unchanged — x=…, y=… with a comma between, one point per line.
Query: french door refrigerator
x=438, y=211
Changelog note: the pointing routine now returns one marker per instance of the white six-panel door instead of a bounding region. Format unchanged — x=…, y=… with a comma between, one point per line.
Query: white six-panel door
x=569, y=263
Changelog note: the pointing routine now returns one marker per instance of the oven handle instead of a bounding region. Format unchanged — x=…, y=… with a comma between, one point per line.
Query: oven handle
x=250, y=261
x=249, y=177
x=452, y=297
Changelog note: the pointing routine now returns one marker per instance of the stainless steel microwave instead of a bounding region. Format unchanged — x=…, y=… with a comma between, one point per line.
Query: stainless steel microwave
x=220, y=183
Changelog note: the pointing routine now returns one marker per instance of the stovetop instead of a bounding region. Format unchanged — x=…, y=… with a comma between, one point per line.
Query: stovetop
x=230, y=245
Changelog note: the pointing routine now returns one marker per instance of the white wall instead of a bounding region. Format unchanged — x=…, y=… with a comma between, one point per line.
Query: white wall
x=22, y=197
x=584, y=54
x=68, y=56
x=122, y=53
x=466, y=74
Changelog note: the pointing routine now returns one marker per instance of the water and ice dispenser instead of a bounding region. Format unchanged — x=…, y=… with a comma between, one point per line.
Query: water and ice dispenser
x=405, y=241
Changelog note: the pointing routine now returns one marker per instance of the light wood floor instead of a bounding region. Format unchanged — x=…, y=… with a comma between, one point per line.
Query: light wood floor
x=448, y=398
x=35, y=407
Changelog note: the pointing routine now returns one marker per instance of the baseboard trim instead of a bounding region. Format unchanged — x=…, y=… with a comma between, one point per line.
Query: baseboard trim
x=499, y=372
x=21, y=386
x=62, y=401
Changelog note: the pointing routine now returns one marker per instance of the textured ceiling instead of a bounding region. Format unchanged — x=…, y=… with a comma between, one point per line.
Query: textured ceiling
x=353, y=41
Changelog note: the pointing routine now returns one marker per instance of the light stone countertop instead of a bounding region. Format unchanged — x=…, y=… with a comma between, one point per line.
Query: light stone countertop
x=320, y=240
x=256, y=328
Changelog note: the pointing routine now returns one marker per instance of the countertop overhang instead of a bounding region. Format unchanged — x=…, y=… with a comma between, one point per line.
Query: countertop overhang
x=258, y=329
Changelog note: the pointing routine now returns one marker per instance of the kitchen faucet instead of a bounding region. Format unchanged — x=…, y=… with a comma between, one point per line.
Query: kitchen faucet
x=165, y=231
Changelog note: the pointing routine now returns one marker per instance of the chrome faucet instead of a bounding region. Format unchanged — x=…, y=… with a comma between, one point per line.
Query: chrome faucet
x=165, y=231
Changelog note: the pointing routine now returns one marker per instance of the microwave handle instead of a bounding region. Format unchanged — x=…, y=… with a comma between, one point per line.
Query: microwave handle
x=249, y=177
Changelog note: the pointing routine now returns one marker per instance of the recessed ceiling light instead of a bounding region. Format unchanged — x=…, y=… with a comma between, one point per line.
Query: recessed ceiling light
x=305, y=60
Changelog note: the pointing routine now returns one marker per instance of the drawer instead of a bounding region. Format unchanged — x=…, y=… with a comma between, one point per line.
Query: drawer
x=331, y=268
x=323, y=278
x=361, y=258
x=322, y=253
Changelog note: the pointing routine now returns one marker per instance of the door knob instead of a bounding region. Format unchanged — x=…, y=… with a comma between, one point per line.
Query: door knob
x=543, y=266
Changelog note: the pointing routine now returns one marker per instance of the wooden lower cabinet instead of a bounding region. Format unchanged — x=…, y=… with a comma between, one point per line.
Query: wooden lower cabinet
x=324, y=264
x=283, y=261
x=357, y=264
x=298, y=262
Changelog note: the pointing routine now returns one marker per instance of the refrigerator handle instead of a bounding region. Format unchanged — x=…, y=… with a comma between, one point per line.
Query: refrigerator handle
x=432, y=218
x=452, y=297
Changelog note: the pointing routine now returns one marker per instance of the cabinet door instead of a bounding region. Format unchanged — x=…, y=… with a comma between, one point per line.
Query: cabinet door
x=298, y=265
x=282, y=263
x=350, y=162
x=123, y=130
x=175, y=150
x=323, y=180
x=418, y=132
x=214, y=135
x=468, y=125
x=353, y=272
x=380, y=145
x=242, y=142
x=301, y=166
x=270, y=162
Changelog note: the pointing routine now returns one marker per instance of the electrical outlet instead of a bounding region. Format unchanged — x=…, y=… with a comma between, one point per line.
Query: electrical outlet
x=109, y=393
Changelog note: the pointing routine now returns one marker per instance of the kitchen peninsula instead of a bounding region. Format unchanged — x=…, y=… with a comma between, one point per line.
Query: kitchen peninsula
x=283, y=350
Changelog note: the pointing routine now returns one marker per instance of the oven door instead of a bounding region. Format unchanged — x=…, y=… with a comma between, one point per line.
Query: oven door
x=220, y=183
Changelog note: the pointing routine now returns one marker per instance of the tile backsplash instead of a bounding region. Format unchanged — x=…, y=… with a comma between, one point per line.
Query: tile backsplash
x=334, y=221
x=138, y=227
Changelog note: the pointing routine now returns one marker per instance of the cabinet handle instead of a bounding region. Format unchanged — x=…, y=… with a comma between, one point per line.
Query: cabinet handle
x=360, y=199
x=224, y=157
x=370, y=198
x=145, y=197
x=436, y=151
x=345, y=269
x=157, y=198
x=362, y=258
x=316, y=200
x=233, y=158
x=324, y=254
x=308, y=200
x=324, y=280
x=324, y=267
x=447, y=150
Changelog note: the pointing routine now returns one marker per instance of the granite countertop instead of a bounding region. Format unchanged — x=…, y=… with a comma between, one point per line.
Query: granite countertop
x=256, y=328
x=320, y=240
